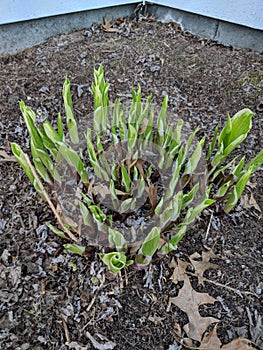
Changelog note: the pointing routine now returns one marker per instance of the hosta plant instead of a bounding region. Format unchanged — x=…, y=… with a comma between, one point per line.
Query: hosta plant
x=132, y=182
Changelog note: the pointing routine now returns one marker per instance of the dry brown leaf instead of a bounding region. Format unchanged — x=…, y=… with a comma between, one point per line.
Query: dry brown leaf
x=65, y=218
x=6, y=157
x=238, y=344
x=103, y=191
x=210, y=340
x=139, y=165
x=177, y=329
x=188, y=300
x=152, y=192
x=143, y=127
x=156, y=319
x=179, y=270
x=107, y=27
x=201, y=266
x=248, y=203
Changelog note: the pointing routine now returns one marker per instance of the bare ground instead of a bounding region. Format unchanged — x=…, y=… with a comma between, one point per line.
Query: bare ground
x=48, y=299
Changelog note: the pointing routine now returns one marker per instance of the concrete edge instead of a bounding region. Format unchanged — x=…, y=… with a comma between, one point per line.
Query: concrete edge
x=222, y=32
x=21, y=35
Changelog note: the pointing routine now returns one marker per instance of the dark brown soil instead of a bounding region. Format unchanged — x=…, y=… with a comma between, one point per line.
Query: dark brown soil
x=48, y=299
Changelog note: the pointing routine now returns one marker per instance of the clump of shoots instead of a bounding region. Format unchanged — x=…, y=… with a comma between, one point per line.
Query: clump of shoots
x=133, y=183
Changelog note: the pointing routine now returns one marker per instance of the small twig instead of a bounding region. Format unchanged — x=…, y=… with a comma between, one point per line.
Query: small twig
x=6, y=157
x=95, y=296
x=66, y=329
x=208, y=227
x=238, y=292
x=70, y=234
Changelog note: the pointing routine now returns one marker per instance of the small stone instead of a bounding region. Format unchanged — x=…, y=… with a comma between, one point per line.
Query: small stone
x=12, y=188
x=87, y=33
x=155, y=68
x=83, y=54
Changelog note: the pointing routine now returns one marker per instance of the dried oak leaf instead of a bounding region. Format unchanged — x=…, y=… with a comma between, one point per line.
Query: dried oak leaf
x=188, y=300
x=107, y=26
x=201, y=266
x=249, y=202
x=238, y=344
x=211, y=341
x=179, y=270
x=153, y=193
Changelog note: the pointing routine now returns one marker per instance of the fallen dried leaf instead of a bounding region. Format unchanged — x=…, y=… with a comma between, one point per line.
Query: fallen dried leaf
x=156, y=319
x=108, y=345
x=238, y=344
x=248, y=203
x=152, y=192
x=210, y=340
x=201, y=266
x=179, y=270
x=107, y=26
x=76, y=346
x=188, y=300
x=255, y=327
x=6, y=157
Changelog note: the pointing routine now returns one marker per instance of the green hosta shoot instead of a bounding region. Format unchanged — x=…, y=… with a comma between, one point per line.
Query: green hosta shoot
x=115, y=261
x=135, y=165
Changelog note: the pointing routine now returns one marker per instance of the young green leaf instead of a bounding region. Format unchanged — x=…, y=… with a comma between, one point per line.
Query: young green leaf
x=150, y=243
x=237, y=190
x=115, y=261
x=69, y=111
x=56, y=230
x=74, y=248
x=117, y=240
x=256, y=162
x=125, y=179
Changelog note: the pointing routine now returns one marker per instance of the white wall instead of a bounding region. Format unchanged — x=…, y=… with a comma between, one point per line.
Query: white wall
x=244, y=12
x=21, y=10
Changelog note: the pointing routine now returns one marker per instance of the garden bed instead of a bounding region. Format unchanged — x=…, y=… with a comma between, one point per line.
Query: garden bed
x=53, y=300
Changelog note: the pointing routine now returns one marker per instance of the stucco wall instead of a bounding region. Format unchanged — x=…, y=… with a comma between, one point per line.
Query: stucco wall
x=22, y=10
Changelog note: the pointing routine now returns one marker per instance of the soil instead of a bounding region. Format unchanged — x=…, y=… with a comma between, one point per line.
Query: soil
x=54, y=300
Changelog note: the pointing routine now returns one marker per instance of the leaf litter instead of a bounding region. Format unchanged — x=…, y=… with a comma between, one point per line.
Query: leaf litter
x=205, y=82
x=188, y=300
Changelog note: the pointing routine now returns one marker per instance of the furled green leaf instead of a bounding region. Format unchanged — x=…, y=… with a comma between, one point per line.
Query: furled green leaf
x=69, y=111
x=39, y=166
x=86, y=216
x=73, y=159
x=194, y=160
x=30, y=117
x=117, y=240
x=193, y=212
x=223, y=189
x=126, y=205
x=150, y=243
x=125, y=178
x=241, y=124
x=237, y=170
x=20, y=157
x=115, y=261
x=132, y=137
x=74, y=248
x=56, y=230
x=212, y=144
x=51, y=132
x=237, y=190
x=225, y=133
x=97, y=212
x=256, y=162
x=189, y=196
